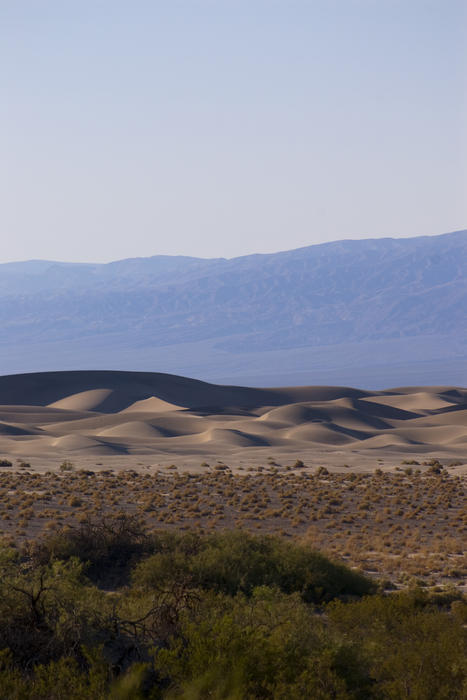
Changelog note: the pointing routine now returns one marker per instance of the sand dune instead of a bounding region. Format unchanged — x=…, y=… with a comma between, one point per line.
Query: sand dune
x=327, y=434
x=38, y=414
x=417, y=401
x=83, y=401
x=79, y=443
x=133, y=429
x=9, y=429
x=131, y=413
x=237, y=438
x=152, y=405
x=387, y=440
x=334, y=412
x=438, y=435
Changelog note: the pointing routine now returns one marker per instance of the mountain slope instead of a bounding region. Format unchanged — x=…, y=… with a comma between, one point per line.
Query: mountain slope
x=347, y=292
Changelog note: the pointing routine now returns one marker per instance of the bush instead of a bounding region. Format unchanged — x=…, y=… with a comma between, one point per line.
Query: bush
x=413, y=649
x=233, y=562
x=217, y=616
x=109, y=545
x=66, y=466
x=46, y=611
x=269, y=645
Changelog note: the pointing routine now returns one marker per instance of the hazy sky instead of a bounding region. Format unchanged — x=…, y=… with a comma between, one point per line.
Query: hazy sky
x=218, y=128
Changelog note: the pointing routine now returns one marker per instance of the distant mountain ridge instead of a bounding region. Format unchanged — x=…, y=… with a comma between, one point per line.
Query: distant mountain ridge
x=327, y=295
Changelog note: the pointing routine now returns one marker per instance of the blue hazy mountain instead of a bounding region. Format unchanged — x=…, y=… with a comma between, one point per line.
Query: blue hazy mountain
x=346, y=306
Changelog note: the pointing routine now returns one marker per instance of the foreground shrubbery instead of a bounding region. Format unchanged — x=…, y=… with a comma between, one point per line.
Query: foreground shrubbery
x=227, y=615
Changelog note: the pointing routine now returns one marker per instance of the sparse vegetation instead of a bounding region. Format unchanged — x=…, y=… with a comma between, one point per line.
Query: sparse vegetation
x=399, y=526
x=66, y=466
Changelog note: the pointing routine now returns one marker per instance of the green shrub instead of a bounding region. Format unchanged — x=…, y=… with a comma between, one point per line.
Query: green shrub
x=414, y=650
x=234, y=561
x=110, y=546
x=224, y=615
x=269, y=645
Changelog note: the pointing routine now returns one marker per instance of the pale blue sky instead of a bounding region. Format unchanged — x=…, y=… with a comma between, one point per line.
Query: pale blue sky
x=224, y=128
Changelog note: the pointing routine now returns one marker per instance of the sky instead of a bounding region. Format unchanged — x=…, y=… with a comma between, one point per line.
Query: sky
x=222, y=128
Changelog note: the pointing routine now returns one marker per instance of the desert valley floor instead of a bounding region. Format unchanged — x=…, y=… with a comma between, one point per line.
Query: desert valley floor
x=378, y=479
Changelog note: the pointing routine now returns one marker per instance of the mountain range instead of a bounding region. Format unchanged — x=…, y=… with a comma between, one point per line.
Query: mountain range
x=372, y=313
